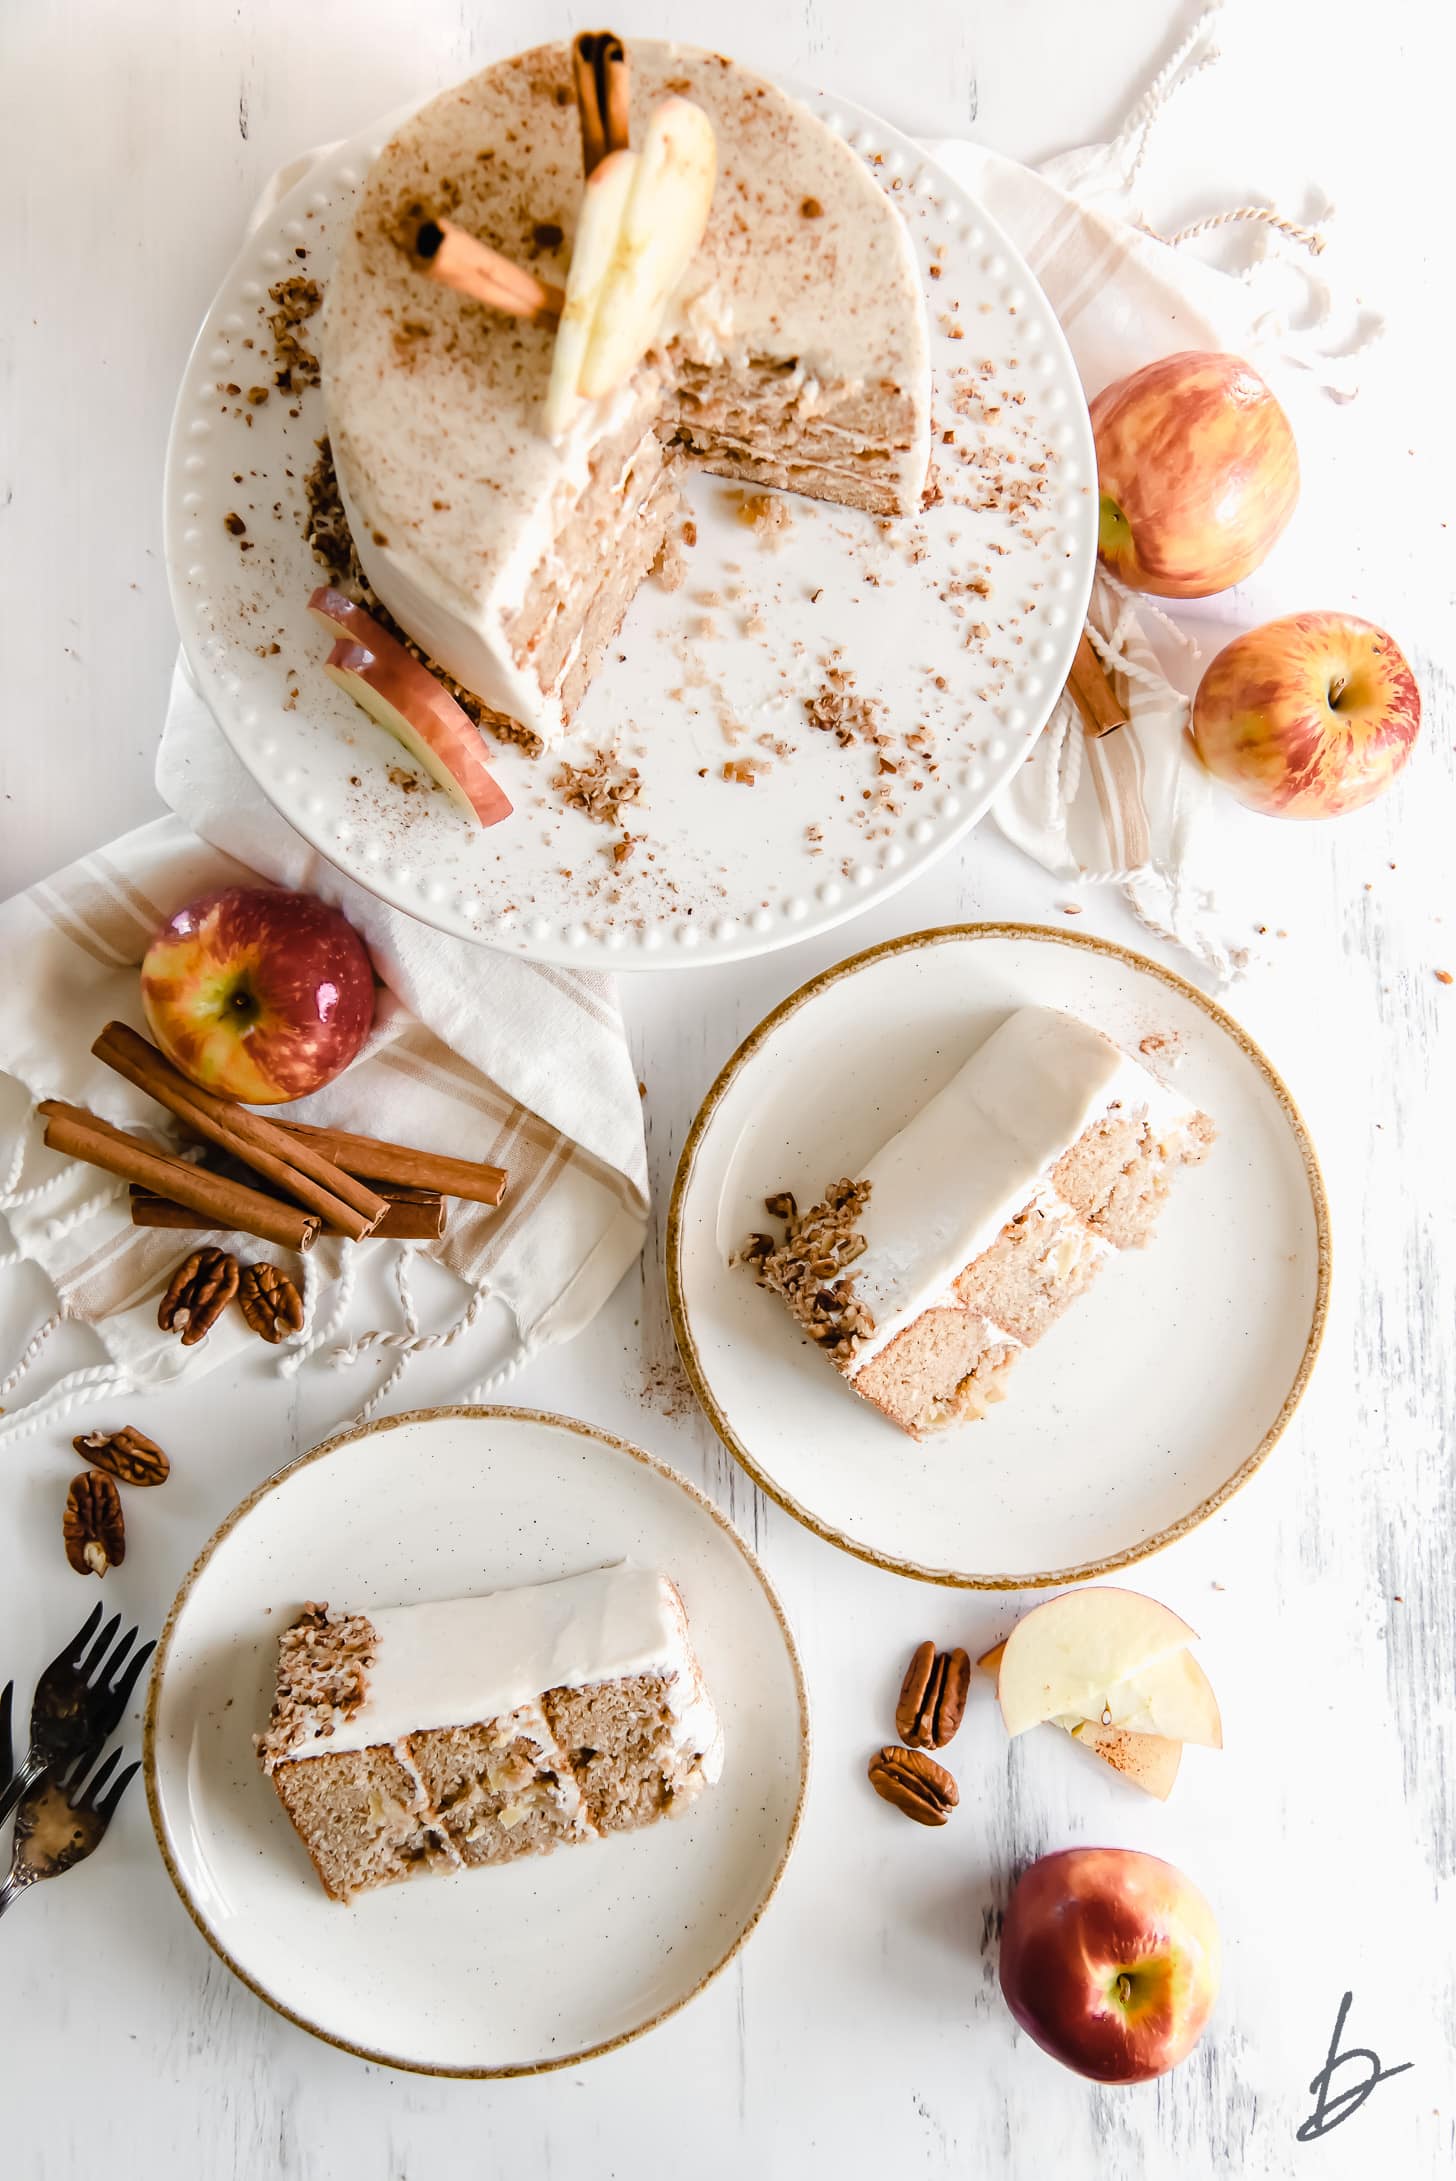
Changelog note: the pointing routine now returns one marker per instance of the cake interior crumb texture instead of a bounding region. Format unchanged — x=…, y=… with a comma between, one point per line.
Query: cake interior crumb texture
x=571, y=1764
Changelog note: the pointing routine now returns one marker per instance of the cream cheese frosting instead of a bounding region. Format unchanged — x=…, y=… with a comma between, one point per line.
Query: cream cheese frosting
x=979, y=1151
x=461, y=1661
x=453, y=492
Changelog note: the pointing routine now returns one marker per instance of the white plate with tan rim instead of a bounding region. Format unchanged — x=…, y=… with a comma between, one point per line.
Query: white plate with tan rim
x=543, y=1962
x=1153, y=1399
x=725, y=870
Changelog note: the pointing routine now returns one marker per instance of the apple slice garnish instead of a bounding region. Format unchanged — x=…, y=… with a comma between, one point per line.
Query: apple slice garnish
x=1148, y=1761
x=1069, y=1655
x=603, y=206
x=643, y=214
x=404, y=698
x=664, y=221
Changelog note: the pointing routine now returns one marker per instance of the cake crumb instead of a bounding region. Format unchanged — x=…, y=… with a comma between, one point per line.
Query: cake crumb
x=768, y=517
x=598, y=788
x=1443, y=976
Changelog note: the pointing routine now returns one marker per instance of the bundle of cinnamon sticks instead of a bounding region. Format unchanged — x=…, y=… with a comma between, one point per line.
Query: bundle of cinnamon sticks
x=284, y=1182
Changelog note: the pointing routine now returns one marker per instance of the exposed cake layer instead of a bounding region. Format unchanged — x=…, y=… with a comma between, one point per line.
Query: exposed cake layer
x=488, y=1728
x=799, y=331
x=986, y=1216
x=770, y=423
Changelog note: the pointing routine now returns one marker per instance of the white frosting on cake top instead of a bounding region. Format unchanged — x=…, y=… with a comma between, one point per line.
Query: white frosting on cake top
x=435, y=403
x=975, y=1155
x=461, y=1661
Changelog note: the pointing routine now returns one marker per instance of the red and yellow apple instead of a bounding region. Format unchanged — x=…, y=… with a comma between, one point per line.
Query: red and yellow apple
x=260, y=994
x=1197, y=474
x=410, y=703
x=1308, y=716
x=1110, y=1962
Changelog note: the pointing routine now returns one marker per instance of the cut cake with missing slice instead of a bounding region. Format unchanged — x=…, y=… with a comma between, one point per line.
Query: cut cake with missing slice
x=971, y=1230
x=477, y=1730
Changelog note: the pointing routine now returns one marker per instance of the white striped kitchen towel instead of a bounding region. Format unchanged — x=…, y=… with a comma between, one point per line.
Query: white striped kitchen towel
x=476, y=1053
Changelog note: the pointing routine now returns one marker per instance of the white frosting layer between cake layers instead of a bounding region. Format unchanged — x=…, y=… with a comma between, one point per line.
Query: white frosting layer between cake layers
x=462, y=1661
x=979, y=1151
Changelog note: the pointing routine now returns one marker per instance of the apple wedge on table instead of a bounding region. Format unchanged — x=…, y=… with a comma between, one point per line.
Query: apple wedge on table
x=643, y=214
x=1113, y=1670
x=404, y=698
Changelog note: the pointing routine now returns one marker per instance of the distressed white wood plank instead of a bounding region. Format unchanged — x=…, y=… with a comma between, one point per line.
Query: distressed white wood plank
x=862, y=2026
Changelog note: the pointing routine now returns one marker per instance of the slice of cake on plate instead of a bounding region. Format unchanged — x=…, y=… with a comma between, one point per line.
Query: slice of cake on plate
x=476, y=1730
x=969, y=1233
x=792, y=351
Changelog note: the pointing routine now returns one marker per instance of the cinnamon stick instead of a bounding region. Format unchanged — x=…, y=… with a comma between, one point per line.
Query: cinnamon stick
x=460, y=260
x=297, y=1169
x=414, y=1215
x=388, y=1163
x=85, y=1136
x=1092, y=692
x=602, y=81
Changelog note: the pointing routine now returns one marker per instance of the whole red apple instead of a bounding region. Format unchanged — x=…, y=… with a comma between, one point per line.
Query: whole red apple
x=258, y=993
x=1110, y=1962
x=1197, y=473
x=1308, y=716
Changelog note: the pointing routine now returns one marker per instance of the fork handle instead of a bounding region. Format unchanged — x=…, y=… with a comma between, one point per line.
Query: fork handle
x=24, y=1779
x=9, y=1892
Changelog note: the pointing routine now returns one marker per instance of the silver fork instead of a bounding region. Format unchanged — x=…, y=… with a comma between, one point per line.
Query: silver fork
x=63, y=1820
x=79, y=1700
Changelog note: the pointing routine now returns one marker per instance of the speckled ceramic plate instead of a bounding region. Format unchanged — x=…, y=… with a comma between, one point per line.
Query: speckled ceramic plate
x=541, y=1963
x=960, y=622
x=1153, y=1399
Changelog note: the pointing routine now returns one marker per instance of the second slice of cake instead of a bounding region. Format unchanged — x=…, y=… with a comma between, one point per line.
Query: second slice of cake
x=970, y=1231
x=480, y=1729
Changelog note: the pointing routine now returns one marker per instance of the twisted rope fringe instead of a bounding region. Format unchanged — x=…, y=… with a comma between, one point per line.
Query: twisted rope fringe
x=1308, y=238
x=96, y=1382
x=31, y=1350
x=310, y=1342
x=1136, y=133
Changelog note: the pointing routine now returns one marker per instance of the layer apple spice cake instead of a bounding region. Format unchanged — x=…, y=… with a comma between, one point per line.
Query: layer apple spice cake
x=971, y=1230
x=476, y=1730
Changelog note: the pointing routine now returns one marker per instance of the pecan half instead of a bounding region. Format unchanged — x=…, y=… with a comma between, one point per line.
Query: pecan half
x=270, y=1302
x=92, y=1526
x=128, y=1454
x=201, y=1289
x=933, y=1697
x=914, y=1783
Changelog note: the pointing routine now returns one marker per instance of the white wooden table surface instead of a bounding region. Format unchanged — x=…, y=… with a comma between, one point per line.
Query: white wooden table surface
x=861, y=2031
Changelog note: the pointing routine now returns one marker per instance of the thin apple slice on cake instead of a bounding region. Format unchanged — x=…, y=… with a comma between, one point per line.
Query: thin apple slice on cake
x=404, y=698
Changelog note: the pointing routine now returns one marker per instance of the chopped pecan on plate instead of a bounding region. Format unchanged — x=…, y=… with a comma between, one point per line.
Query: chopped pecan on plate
x=270, y=1302
x=914, y=1783
x=93, y=1527
x=201, y=1289
x=933, y=1698
x=128, y=1454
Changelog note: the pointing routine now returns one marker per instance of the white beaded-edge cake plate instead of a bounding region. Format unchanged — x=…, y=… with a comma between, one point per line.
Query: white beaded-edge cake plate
x=541, y=1963
x=1143, y=1409
x=723, y=870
